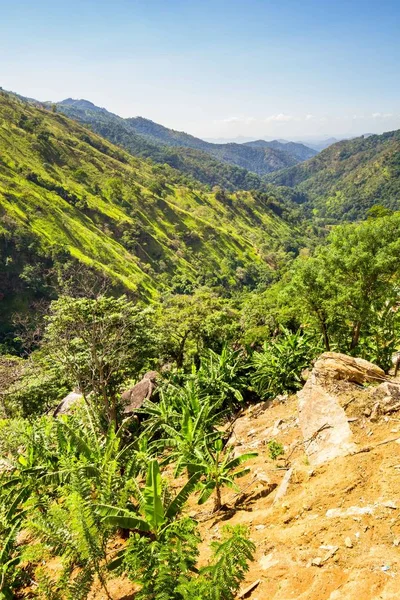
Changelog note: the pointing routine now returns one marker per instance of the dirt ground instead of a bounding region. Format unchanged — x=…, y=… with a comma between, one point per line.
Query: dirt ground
x=335, y=533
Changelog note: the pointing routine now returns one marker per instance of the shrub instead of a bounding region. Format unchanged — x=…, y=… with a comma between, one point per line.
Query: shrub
x=277, y=369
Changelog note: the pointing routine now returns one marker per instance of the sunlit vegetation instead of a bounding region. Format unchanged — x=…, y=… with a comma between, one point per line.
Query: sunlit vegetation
x=111, y=268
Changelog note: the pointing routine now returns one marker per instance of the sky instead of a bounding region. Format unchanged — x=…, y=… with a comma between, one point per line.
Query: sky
x=297, y=69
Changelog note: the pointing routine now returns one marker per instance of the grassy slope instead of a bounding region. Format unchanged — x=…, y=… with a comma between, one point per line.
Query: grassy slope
x=235, y=166
x=102, y=196
x=349, y=177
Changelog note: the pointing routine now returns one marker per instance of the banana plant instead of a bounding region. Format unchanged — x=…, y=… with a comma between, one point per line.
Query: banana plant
x=223, y=376
x=190, y=433
x=218, y=468
x=155, y=513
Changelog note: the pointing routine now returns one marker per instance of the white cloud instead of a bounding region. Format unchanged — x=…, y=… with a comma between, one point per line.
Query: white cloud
x=379, y=115
x=309, y=117
x=280, y=118
x=239, y=120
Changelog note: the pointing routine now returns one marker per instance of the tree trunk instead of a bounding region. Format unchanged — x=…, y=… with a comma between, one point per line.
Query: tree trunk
x=181, y=351
x=218, y=500
x=356, y=335
x=326, y=337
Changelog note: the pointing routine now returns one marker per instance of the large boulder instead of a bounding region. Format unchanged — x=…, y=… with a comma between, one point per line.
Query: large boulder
x=68, y=403
x=336, y=366
x=383, y=399
x=322, y=419
x=136, y=395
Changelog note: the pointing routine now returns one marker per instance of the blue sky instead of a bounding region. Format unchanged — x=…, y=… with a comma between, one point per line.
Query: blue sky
x=220, y=68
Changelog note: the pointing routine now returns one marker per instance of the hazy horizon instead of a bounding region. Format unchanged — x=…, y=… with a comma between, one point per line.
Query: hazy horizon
x=214, y=69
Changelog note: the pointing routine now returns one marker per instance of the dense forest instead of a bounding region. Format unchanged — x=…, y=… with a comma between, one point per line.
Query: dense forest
x=234, y=166
x=347, y=179
x=116, y=270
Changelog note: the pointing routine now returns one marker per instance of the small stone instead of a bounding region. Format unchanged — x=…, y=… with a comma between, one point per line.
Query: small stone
x=317, y=562
x=348, y=543
x=390, y=504
x=259, y=527
x=396, y=542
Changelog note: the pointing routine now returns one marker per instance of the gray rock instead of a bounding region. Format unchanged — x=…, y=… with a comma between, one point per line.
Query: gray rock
x=66, y=405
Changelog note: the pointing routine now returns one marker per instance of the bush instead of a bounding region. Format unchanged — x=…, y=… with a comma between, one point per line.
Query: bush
x=277, y=369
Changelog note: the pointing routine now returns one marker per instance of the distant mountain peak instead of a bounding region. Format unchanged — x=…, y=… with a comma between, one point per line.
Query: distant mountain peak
x=80, y=103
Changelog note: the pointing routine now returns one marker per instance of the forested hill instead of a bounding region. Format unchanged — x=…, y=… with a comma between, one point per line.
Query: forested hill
x=69, y=197
x=203, y=160
x=296, y=149
x=349, y=177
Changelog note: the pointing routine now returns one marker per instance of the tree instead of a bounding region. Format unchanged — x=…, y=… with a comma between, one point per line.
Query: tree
x=194, y=321
x=218, y=468
x=349, y=282
x=98, y=343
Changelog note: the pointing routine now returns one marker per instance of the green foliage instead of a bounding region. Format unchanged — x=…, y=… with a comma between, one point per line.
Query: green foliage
x=97, y=344
x=347, y=179
x=71, y=202
x=218, y=468
x=275, y=449
x=31, y=386
x=159, y=565
x=233, y=166
x=223, y=376
x=189, y=323
x=166, y=569
x=349, y=288
x=277, y=369
x=157, y=511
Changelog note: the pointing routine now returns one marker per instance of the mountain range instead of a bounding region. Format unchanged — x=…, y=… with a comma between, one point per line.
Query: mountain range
x=143, y=137
x=69, y=197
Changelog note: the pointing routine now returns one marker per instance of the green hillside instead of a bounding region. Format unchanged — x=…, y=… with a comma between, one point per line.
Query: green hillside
x=349, y=177
x=68, y=195
x=234, y=166
x=297, y=150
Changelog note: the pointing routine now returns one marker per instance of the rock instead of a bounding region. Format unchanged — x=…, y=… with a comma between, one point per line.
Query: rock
x=336, y=366
x=267, y=561
x=323, y=423
x=390, y=504
x=282, y=489
x=259, y=527
x=322, y=418
x=385, y=398
x=136, y=395
x=375, y=412
x=277, y=424
x=66, y=405
x=348, y=543
x=331, y=551
x=317, y=562
x=352, y=511
x=249, y=589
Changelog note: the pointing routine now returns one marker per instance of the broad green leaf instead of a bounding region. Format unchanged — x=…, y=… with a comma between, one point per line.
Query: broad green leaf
x=178, y=502
x=153, y=507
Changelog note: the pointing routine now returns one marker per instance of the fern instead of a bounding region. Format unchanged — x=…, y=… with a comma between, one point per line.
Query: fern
x=157, y=565
x=230, y=563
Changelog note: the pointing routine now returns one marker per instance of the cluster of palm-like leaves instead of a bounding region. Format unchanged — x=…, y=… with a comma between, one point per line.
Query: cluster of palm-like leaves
x=71, y=486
